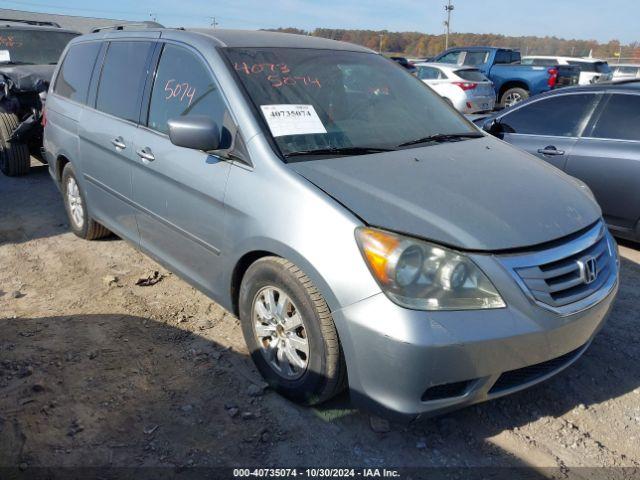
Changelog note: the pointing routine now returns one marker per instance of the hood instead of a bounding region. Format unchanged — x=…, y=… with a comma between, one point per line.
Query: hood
x=479, y=194
x=28, y=78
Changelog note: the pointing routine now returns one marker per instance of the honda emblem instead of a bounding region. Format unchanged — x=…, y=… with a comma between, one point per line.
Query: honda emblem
x=588, y=268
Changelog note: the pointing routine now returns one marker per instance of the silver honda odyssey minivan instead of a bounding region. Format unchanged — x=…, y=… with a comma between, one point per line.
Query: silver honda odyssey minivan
x=365, y=233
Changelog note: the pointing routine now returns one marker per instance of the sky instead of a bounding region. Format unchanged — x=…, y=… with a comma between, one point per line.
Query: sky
x=580, y=19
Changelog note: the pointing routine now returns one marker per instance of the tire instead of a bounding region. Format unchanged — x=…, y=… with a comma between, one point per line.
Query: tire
x=81, y=223
x=324, y=375
x=513, y=96
x=14, y=156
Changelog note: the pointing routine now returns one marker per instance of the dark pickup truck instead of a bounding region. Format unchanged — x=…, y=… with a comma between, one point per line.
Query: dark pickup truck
x=512, y=81
x=29, y=52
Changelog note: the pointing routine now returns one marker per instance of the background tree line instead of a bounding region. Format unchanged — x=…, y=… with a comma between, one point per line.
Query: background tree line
x=416, y=44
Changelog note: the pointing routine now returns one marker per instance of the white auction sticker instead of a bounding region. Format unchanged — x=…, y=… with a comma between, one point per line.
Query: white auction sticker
x=292, y=120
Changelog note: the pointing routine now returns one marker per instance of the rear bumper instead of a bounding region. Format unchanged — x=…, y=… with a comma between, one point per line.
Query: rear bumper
x=478, y=104
x=411, y=363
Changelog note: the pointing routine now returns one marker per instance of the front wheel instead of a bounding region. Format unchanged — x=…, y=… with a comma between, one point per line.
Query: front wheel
x=290, y=333
x=14, y=156
x=513, y=96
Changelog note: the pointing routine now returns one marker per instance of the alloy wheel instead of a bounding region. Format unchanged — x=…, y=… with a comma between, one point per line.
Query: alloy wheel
x=281, y=333
x=74, y=201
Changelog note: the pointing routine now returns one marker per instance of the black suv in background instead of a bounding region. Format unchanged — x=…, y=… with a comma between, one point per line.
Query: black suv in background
x=29, y=52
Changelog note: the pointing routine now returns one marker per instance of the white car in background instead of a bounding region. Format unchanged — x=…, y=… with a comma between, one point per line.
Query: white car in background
x=625, y=71
x=467, y=89
x=592, y=70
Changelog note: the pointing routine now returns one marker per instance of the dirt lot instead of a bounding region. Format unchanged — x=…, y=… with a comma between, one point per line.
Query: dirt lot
x=95, y=370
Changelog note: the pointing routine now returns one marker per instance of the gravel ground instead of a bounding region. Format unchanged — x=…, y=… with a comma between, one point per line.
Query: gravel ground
x=96, y=370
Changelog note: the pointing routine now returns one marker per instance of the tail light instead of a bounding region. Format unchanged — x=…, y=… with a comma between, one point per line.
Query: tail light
x=466, y=85
x=553, y=77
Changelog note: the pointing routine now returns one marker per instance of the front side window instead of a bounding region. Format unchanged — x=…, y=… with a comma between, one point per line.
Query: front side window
x=75, y=72
x=620, y=119
x=326, y=99
x=33, y=46
x=122, y=80
x=183, y=86
x=557, y=116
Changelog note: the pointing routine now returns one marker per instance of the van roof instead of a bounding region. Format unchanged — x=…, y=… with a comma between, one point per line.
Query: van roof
x=236, y=38
x=261, y=38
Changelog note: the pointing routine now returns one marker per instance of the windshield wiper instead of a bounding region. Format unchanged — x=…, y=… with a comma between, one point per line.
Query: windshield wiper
x=338, y=151
x=11, y=62
x=442, y=138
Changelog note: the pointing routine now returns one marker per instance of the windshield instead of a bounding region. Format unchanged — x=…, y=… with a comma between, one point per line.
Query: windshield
x=329, y=99
x=37, y=47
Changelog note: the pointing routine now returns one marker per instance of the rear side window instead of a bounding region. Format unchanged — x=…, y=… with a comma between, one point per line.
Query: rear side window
x=627, y=70
x=558, y=116
x=451, y=57
x=122, y=80
x=620, y=119
x=429, y=73
x=476, y=58
x=507, y=57
x=592, y=67
x=471, y=75
x=540, y=62
x=75, y=72
x=183, y=86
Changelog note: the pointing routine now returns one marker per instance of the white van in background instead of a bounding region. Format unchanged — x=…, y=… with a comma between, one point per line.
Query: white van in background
x=592, y=70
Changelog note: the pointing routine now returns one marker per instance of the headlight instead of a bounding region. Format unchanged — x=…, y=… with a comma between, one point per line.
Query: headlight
x=422, y=276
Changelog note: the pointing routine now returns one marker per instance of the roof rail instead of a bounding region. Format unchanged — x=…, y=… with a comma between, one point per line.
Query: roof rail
x=619, y=82
x=127, y=26
x=39, y=23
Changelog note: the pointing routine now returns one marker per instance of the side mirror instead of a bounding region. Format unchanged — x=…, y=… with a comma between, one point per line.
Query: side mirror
x=493, y=127
x=198, y=132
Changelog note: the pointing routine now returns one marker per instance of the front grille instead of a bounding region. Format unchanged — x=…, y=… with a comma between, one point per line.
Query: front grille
x=522, y=376
x=561, y=276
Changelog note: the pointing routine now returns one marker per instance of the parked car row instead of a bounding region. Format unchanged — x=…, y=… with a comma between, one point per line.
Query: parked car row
x=364, y=232
x=513, y=81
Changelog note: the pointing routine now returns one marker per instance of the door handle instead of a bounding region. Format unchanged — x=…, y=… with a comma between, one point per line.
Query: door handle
x=551, y=151
x=118, y=142
x=145, y=154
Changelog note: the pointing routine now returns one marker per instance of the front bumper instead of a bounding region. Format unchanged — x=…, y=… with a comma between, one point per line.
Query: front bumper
x=415, y=362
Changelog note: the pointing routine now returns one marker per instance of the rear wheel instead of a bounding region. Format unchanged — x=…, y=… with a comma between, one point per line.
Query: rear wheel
x=74, y=201
x=513, y=96
x=14, y=156
x=290, y=333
